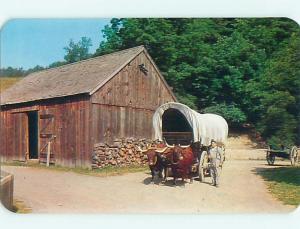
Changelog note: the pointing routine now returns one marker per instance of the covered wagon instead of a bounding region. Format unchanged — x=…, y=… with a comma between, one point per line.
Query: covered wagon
x=177, y=124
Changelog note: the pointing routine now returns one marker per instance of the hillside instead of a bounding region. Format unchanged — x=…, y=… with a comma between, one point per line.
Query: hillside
x=6, y=82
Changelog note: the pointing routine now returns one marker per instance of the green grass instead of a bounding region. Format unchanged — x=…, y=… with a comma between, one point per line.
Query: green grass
x=107, y=171
x=284, y=183
x=6, y=82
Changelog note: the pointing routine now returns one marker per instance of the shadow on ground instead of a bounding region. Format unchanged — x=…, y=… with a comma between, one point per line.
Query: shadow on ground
x=280, y=174
x=170, y=182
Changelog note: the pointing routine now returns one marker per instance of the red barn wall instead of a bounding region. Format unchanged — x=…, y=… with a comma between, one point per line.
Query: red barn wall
x=124, y=106
x=71, y=125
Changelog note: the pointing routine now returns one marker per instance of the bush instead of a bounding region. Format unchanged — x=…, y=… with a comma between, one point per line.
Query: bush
x=187, y=99
x=233, y=115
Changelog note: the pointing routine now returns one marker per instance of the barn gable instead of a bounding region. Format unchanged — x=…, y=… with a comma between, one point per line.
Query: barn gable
x=124, y=106
x=72, y=79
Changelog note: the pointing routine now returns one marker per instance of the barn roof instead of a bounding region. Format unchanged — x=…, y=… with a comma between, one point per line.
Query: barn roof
x=82, y=77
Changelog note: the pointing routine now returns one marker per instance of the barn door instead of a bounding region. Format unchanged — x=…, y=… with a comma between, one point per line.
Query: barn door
x=47, y=136
x=32, y=134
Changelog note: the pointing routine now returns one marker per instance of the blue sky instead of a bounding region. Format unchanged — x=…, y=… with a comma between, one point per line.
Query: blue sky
x=29, y=42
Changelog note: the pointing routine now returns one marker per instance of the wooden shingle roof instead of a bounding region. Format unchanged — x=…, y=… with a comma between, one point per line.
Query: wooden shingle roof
x=77, y=78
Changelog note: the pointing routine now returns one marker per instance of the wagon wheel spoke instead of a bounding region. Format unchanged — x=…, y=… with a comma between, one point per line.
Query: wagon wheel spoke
x=203, y=165
x=294, y=155
x=270, y=157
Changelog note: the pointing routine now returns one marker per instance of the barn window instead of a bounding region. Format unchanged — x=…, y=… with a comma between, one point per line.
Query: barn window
x=176, y=129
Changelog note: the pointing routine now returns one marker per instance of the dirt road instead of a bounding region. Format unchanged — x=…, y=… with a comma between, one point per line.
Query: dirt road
x=241, y=191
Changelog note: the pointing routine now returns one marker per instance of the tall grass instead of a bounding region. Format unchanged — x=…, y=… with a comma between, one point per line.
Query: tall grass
x=6, y=82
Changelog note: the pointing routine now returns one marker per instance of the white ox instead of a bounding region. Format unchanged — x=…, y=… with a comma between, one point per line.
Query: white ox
x=205, y=126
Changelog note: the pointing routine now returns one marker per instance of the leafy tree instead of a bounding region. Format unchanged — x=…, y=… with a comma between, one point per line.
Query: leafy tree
x=245, y=69
x=11, y=72
x=57, y=64
x=78, y=51
x=277, y=93
x=34, y=69
x=233, y=115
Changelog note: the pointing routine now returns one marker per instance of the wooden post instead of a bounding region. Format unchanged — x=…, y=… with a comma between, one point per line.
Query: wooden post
x=48, y=153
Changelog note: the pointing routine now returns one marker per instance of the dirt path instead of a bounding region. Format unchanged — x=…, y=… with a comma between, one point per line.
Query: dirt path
x=240, y=191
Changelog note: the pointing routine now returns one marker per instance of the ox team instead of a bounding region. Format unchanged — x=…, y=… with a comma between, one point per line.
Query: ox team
x=182, y=161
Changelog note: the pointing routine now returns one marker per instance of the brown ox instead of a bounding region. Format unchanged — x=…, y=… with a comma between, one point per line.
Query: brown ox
x=158, y=160
x=154, y=160
x=181, y=159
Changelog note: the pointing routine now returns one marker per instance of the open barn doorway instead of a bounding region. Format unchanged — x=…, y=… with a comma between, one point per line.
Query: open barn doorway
x=33, y=134
x=176, y=129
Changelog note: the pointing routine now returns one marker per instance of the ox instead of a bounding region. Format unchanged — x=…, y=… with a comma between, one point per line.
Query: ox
x=154, y=161
x=181, y=159
x=157, y=160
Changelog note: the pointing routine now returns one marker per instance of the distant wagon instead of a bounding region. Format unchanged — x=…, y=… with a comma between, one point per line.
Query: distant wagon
x=176, y=123
x=58, y=115
x=290, y=153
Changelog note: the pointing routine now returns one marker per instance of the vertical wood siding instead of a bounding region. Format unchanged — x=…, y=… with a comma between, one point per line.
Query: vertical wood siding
x=124, y=106
x=70, y=125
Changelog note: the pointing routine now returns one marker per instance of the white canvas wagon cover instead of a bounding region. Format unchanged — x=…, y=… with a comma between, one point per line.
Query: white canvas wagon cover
x=205, y=126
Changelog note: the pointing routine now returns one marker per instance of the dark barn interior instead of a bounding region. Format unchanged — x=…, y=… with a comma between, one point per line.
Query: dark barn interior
x=33, y=134
x=176, y=129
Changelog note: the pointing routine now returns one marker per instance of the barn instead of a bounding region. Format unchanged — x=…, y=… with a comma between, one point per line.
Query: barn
x=60, y=114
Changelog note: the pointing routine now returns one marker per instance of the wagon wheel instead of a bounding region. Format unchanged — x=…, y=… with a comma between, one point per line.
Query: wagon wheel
x=294, y=155
x=270, y=157
x=203, y=165
x=223, y=157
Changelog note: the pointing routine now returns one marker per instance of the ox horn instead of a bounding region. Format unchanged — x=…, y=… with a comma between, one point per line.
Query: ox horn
x=185, y=146
x=169, y=146
x=143, y=150
x=162, y=150
x=148, y=146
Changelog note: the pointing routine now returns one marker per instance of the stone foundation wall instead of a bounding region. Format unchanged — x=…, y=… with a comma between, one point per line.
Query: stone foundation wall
x=123, y=152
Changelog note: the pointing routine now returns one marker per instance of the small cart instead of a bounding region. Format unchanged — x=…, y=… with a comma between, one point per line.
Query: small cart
x=287, y=153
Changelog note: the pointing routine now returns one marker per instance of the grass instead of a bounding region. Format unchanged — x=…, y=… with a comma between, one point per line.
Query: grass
x=283, y=183
x=103, y=172
x=6, y=82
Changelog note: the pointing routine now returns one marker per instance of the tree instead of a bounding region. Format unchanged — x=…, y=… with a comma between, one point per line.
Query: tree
x=278, y=94
x=78, y=51
x=246, y=69
x=233, y=115
x=12, y=72
x=57, y=64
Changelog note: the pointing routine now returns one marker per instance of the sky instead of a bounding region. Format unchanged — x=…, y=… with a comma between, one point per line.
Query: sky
x=29, y=42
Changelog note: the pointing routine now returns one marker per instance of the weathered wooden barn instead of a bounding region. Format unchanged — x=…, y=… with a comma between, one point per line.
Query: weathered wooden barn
x=74, y=106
